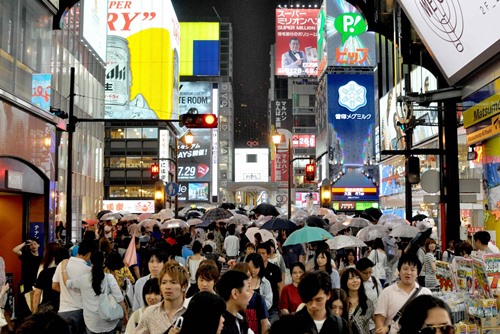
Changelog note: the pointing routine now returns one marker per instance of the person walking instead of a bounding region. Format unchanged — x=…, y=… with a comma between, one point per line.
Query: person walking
x=430, y=265
x=290, y=298
x=427, y=315
x=151, y=295
x=360, y=307
x=379, y=259
x=323, y=261
x=234, y=288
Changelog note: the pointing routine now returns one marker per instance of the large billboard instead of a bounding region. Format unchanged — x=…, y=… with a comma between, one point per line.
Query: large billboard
x=251, y=165
x=351, y=117
x=94, y=27
x=460, y=35
x=391, y=135
x=142, y=70
x=342, y=37
x=200, y=48
x=296, y=42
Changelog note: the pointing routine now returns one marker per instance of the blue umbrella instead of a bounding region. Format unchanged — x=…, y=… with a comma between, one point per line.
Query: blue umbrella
x=307, y=234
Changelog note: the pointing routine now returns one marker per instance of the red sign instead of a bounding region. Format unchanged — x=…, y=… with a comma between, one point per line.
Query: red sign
x=304, y=141
x=280, y=168
x=296, y=42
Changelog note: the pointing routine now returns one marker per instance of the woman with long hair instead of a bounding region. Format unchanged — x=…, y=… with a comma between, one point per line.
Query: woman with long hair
x=339, y=304
x=323, y=261
x=204, y=314
x=116, y=267
x=379, y=258
x=426, y=314
x=360, y=307
x=258, y=282
x=430, y=264
x=290, y=298
x=91, y=286
x=349, y=260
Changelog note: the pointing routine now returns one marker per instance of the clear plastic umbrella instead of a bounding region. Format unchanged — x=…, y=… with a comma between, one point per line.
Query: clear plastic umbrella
x=111, y=215
x=194, y=221
x=173, y=223
x=391, y=221
x=337, y=227
x=148, y=224
x=345, y=241
x=404, y=231
x=372, y=232
x=129, y=217
x=265, y=234
x=164, y=214
x=358, y=222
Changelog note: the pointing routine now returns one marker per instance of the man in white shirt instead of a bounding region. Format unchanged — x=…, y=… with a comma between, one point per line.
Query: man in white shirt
x=232, y=243
x=70, y=303
x=482, y=242
x=394, y=297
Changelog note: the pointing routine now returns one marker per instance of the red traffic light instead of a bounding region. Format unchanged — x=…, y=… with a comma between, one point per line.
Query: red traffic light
x=310, y=172
x=199, y=121
x=155, y=171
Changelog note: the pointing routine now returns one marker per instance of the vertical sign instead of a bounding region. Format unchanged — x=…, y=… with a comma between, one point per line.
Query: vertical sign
x=41, y=91
x=282, y=115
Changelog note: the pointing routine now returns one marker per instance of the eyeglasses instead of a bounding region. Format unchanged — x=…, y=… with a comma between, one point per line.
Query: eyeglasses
x=444, y=329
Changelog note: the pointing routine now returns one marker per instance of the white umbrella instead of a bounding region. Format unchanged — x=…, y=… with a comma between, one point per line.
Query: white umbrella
x=238, y=219
x=164, y=214
x=337, y=227
x=320, y=211
x=111, y=215
x=345, y=241
x=266, y=235
x=129, y=217
x=404, y=231
x=358, y=222
x=194, y=221
x=391, y=221
x=372, y=232
x=148, y=224
x=173, y=223
x=144, y=215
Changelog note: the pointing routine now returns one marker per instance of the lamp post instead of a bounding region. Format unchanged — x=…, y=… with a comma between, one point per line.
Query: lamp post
x=277, y=139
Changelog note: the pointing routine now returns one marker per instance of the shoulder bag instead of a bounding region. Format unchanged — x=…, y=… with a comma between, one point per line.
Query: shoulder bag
x=401, y=310
x=109, y=309
x=3, y=321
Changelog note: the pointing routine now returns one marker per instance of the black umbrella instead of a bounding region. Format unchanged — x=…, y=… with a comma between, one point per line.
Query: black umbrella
x=216, y=214
x=418, y=218
x=102, y=213
x=228, y=206
x=372, y=214
x=315, y=221
x=279, y=224
x=266, y=210
x=419, y=239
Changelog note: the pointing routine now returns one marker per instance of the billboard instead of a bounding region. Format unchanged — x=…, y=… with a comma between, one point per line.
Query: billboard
x=200, y=48
x=391, y=135
x=94, y=27
x=351, y=117
x=251, y=165
x=142, y=67
x=460, y=35
x=281, y=114
x=194, y=161
x=296, y=42
x=41, y=90
x=195, y=97
x=342, y=37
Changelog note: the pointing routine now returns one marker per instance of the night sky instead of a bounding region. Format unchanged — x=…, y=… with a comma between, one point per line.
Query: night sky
x=253, y=34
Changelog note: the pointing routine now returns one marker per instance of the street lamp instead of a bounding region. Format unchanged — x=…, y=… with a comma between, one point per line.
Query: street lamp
x=188, y=138
x=277, y=140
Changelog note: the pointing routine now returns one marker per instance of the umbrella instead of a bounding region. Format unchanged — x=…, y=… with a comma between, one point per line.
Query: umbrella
x=374, y=213
x=111, y=215
x=404, y=231
x=315, y=221
x=266, y=210
x=194, y=221
x=193, y=214
x=129, y=217
x=372, y=232
x=148, y=223
x=418, y=217
x=102, y=213
x=266, y=235
x=337, y=227
x=345, y=241
x=358, y=222
x=216, y=214
x=164, y=214
x=307, y=234
x=173, y=223
x=279, y=224
x=144, y=215
x=238, y=219
x=391, y=221
x=321, y=211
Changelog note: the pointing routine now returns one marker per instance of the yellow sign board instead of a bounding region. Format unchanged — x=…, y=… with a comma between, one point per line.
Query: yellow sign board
x=485, y=133
x=482, y=110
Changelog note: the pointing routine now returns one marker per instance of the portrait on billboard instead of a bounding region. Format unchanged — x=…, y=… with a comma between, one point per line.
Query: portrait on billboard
x=296, y=44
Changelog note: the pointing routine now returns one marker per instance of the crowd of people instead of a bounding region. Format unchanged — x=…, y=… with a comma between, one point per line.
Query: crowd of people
x=219, y=281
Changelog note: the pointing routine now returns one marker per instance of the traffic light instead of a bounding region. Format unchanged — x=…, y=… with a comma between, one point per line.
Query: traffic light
x=155, y=171
x=310, y=172
x=198, y=120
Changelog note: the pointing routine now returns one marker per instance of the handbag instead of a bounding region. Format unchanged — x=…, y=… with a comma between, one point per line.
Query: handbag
x=401, y=310
x=109, y=309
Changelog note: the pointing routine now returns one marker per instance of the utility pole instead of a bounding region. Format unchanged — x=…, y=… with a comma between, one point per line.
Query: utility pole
x=69, y=168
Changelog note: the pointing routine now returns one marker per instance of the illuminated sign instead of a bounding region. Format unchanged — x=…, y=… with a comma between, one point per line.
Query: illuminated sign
x=142, y=71
x=95, y=25
x=491, y=129
x=360, y=206
x=296, y=42
x=134, y=206
x=303, y=198
x=343, y=39
x=251, y=165
x=483, y=110
x=200, y=48
x=347, y=205
x=304, y=141
x=460, y=35
x=352, y=96
x=352, y=193
x=41, y=90
x=281, y=114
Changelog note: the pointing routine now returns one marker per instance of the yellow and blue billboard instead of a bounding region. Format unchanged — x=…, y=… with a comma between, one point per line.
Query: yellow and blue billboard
x=200, y=48
x=142, y=67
